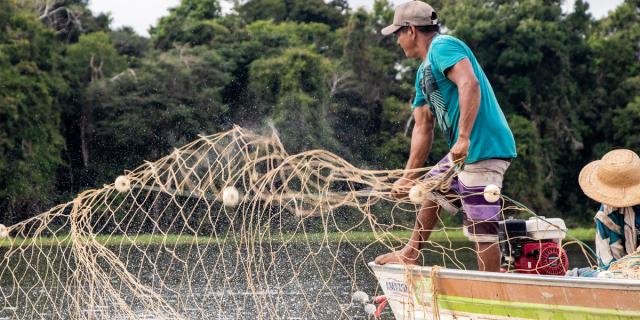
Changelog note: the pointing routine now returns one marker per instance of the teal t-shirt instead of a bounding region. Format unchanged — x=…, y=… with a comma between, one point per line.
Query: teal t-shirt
x=491, y=136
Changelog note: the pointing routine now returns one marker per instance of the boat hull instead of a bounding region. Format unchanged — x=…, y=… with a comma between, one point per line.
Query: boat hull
x=463, y=294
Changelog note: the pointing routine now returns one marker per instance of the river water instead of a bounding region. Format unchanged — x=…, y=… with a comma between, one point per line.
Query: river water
x=267, y=281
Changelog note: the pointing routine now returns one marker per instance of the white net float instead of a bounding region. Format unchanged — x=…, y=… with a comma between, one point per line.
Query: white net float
x=230, y=196
x=360, y=297
x=491, y=193
x=4, y=231
x=122, y=184
x=417, y=194
x=370, y=309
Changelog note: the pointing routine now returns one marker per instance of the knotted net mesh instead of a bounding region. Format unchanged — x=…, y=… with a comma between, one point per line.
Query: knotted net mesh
x=229, y=226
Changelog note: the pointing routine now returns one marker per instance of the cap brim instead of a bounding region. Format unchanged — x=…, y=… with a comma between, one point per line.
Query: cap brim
x=599, y=191
x=390, y=29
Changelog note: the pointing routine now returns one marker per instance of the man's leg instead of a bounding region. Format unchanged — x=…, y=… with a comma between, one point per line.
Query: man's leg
x=488, y=256
x=481, y=216
x=425, y=221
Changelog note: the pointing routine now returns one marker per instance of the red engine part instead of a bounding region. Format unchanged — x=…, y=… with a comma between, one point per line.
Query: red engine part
x=380, y=302
x=544, y=257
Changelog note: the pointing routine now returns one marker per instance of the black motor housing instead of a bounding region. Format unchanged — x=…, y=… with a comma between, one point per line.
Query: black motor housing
x=511, y=234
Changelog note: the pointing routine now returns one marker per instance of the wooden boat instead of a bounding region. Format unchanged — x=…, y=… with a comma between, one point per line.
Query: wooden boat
x=415, y=292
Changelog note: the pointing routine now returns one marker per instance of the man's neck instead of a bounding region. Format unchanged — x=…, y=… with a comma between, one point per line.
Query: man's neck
x=426, y=44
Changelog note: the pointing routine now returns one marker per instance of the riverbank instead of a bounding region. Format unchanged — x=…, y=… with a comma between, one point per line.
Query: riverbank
x=450, y=235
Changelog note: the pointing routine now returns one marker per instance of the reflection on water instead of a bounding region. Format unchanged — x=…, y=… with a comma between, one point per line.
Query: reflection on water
x=217, y=282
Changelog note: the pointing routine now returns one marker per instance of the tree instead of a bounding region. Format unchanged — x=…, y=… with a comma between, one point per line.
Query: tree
x=366, y=86
x=292, y=89
x=30, y=141
x=274, y=38
x=291, y=10
x=524, y=180
x=130, y=45
x=89, y=60
x=67, y=18
x=616, y=61
x=193, y=22
x=93, y=57
x=165, y=103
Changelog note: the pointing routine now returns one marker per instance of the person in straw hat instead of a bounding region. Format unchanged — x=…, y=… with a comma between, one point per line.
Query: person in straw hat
x=453, y=92
x=614, y=181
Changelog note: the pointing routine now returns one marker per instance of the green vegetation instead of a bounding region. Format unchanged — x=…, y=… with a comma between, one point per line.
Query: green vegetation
x=81, y=102
x=396, y=236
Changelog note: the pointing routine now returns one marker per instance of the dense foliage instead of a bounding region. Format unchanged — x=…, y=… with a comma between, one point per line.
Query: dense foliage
x=80, y=102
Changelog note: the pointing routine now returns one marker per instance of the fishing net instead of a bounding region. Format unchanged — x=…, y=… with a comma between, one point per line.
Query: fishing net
x=229, y=226
x=627, y=267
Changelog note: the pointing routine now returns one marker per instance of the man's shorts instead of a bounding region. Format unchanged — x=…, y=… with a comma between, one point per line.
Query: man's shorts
x=466, y=193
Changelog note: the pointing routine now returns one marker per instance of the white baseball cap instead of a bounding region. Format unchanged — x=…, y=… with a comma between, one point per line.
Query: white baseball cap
x=412, y=13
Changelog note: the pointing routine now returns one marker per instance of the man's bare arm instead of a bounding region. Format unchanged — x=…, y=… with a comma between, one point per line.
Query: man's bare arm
x=469, y=100
x=421, y=140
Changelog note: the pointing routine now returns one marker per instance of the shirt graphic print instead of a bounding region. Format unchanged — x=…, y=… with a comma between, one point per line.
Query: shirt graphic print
x=430, y=88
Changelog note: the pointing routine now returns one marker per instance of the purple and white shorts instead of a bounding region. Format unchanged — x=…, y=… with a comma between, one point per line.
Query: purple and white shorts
x=466, y=194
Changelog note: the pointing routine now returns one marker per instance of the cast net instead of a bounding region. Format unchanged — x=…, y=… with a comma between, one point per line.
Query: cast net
x=627, y=267
x=229, y=226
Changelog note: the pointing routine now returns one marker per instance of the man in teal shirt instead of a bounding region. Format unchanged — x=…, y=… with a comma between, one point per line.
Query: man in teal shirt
x=452, y=91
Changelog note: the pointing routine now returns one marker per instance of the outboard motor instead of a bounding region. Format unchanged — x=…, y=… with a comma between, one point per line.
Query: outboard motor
x=533, y=246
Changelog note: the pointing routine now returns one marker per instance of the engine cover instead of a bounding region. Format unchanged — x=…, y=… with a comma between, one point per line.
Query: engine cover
x=542, y=257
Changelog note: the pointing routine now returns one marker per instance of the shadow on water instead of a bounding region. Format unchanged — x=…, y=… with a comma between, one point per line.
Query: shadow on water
x=296, y=281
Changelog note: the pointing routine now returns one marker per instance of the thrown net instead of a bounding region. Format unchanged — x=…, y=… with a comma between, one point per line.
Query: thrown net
x=229, y=226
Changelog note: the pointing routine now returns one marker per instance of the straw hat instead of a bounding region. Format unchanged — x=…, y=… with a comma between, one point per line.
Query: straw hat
x=614, y=180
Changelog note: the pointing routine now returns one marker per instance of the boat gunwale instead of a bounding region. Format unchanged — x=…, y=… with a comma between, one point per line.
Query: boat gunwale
x=515, y=278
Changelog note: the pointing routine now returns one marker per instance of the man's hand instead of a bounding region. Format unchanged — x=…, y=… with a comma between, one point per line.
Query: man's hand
x=460, y=150
x=401, y=188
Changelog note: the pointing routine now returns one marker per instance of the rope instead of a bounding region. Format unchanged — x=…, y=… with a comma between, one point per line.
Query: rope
x=434, y=291
x=442, y=183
